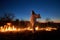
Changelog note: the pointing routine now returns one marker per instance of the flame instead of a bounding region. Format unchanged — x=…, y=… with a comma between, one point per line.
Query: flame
x=9, y=28
x=50, y=29
x=28, y=28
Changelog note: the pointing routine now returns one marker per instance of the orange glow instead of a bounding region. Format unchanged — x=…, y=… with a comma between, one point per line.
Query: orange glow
x=37, y=28
x=46, y=29
x=9, y=28
x=28, y=28
x=50, y=29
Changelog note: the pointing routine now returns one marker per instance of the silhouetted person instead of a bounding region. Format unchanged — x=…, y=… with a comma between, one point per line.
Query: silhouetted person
x=33, y=19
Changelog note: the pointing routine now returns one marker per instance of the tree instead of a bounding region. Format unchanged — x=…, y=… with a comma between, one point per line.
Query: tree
x=49, y=22
x=9, y=16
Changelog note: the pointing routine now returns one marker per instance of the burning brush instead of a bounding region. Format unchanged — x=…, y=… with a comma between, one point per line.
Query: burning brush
x=9, y=28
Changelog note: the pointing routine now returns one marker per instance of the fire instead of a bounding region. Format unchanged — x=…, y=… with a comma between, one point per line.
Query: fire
x=11, y=28
x=46, y=28
x=50, y=29
x=8, y=27
x=28, y=28
x=37, y=28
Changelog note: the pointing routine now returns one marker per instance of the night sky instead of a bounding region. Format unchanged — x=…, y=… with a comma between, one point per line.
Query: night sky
x=22, y=8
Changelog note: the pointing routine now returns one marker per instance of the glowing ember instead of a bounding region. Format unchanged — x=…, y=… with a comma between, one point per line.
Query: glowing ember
x=9, y=28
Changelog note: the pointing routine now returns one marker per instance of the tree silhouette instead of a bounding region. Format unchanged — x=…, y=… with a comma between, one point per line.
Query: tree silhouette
x=7, y=17
x=49, y=22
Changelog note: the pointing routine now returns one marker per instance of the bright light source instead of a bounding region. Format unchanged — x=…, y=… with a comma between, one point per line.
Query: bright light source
x=9, y=28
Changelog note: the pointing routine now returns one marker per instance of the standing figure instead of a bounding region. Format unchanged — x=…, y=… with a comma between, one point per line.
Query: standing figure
x=33, y=19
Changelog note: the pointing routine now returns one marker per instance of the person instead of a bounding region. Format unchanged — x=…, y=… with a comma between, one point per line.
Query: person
x=33, y=18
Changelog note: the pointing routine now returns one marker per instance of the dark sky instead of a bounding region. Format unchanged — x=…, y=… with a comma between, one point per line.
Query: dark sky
x=22, y=8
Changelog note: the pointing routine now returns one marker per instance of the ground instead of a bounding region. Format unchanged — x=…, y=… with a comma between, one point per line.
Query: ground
x=42, y=35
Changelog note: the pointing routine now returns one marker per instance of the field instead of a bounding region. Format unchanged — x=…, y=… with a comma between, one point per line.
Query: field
x=42, y=35
x=28, y=35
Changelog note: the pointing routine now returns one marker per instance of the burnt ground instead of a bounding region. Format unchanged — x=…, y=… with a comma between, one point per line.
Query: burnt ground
x=42, y=35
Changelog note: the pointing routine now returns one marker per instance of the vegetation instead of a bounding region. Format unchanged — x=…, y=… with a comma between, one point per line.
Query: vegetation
x=8, y=17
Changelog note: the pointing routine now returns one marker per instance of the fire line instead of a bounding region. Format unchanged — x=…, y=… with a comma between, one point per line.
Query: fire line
x=9, y=28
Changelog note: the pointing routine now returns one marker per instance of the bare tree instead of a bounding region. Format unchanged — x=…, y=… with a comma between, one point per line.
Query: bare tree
x=9, y=16
x=48, y=19
x=49, y=22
